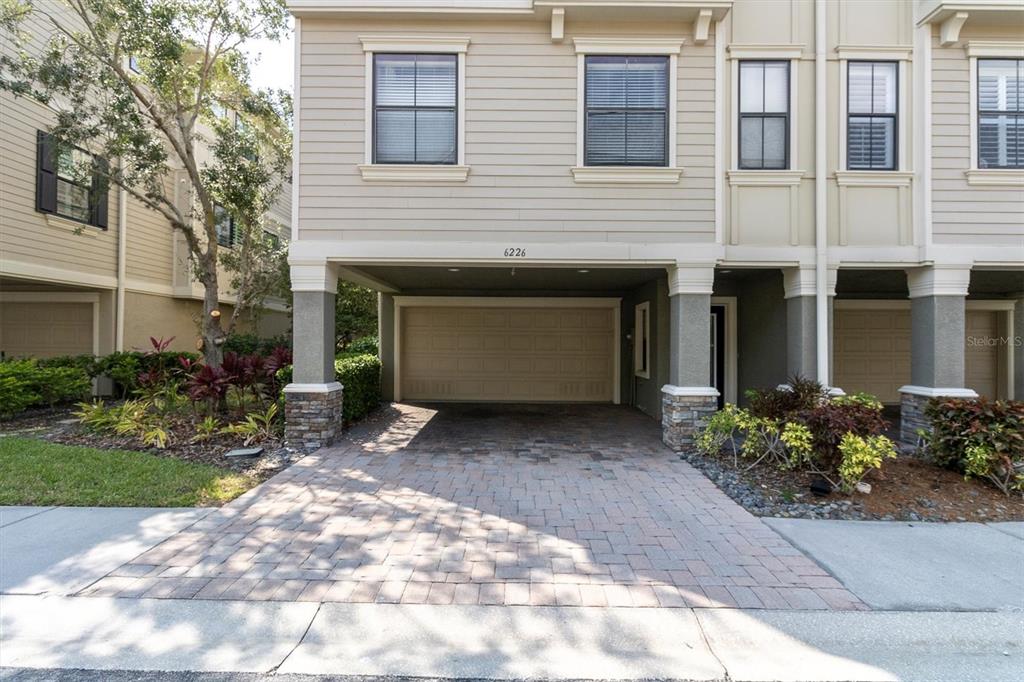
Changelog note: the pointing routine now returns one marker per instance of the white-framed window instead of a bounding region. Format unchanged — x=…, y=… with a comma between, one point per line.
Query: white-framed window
x=642, y=340
x=873, y=91
x=761, y=77
x=996, y=89
x=872, y=115
x=764, y=109
x=415, y=108
x=626, y=110
x=1000, y=113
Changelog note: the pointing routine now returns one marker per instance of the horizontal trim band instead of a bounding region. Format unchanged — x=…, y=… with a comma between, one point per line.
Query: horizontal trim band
x=929, y=392
x=332, y=387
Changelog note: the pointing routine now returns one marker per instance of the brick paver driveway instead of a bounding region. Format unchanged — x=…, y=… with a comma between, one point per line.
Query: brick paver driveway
x=473, y=504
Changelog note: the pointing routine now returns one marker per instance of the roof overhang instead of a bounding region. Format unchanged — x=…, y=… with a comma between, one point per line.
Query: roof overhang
x=673, y=10
x=951, y=15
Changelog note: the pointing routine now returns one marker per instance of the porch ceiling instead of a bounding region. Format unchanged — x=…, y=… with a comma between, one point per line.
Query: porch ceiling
x=514, y=280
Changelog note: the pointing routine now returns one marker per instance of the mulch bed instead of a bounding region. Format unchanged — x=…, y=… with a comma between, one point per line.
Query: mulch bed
x=58, y=425
x=905, y=489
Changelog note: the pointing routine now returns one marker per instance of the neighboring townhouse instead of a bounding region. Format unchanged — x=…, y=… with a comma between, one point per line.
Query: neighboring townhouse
x=661, y=204
x=84, y=271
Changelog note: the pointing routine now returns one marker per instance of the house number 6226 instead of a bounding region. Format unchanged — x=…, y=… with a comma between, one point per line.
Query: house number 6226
x=515, y=252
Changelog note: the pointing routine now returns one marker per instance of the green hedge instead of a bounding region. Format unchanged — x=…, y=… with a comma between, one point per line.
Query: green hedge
x=249, y=344
x=359, y=374
x=360, y=377
x=25, y=383
x=122, y=368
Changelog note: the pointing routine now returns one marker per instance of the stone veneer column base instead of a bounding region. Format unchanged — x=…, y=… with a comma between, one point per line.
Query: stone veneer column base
x=312, y=415
x=913, y=400
x=684, y=410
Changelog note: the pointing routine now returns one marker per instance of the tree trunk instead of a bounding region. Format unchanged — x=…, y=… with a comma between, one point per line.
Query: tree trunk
x=212, y=331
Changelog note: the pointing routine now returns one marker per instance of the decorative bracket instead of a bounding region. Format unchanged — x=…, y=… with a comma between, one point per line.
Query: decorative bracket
x=702, y=28
x=949, y=30
x=557, y=24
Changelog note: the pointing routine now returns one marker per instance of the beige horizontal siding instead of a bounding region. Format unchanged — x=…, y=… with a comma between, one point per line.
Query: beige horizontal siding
x=961, y=213
x=520, y=144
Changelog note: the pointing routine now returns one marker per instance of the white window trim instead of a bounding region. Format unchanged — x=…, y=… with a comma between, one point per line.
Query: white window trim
x=642, y=330
x=670, y=47
x=787, y=53
x=985, y=49
x=901, y=55
x=383, y=172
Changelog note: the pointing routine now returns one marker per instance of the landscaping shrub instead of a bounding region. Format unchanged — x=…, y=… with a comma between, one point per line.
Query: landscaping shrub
x=252, y=344
x=25, y=383
x=367, y=345
x=360, y=377
x=838, y=438
x=980, y=438
x=778, y=403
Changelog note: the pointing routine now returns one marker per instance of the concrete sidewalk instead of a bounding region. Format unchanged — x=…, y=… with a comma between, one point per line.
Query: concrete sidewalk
x=492, y=642
x=902, y=566
x=60, y=550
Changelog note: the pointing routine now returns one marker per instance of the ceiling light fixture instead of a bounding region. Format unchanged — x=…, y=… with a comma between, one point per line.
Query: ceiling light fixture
x=583, y=270
x=453, y=269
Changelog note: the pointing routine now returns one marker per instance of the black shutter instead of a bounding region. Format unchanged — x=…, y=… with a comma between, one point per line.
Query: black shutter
x=46, y=173
x=98, y=203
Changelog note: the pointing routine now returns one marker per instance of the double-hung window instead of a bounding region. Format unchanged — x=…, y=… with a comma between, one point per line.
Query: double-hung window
x=224, y=224
x=764, y=115
x=626, y=111
x=415, y=114
x=871, y=112
x=70, y=182
x=1000, y=113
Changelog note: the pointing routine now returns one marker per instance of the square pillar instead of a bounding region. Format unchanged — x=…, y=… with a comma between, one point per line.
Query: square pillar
x=801, y=322
x=689, y=398
x=937, y=330
x=313, y=400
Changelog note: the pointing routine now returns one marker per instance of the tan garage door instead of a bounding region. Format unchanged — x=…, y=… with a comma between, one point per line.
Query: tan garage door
x=507, y=354
x=44, y=330
x=872, y=352
x=982, y=353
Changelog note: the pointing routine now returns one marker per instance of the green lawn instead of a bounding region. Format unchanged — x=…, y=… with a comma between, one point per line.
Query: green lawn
x=34, y=472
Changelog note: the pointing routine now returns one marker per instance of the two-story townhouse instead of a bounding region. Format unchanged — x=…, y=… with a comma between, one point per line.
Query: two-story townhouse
x=661, y=204
x=84, y=271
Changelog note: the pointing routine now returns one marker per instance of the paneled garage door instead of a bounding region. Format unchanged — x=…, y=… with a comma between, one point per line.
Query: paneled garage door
x=872, y=352
x=46, y=330
x=527, y=354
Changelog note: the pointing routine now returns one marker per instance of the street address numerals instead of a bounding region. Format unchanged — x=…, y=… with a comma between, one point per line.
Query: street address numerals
x=515, y=252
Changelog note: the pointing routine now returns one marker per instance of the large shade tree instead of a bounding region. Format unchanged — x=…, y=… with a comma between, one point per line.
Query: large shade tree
x=158, y=92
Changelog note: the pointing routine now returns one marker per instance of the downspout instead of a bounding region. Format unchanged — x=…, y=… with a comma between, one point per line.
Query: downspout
x=122, y=250
x=821, y=192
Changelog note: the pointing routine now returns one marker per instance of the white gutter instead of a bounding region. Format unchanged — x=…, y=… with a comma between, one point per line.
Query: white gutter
x=122, y=250
x=821, y=192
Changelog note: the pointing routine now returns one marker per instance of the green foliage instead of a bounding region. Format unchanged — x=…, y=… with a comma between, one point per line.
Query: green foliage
x=132, y=418
x=188, y=70
x=25, y=383
x=859, y=455
x=251, y=344
x=959, y=423
x=360, y=377
x=34, y=472
x=981, y=438
x=206, y=429
x=801, y=428
x=366, y=345
x=778, y=403
x=355, y=314
x=256, y=426
x=981, y=461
